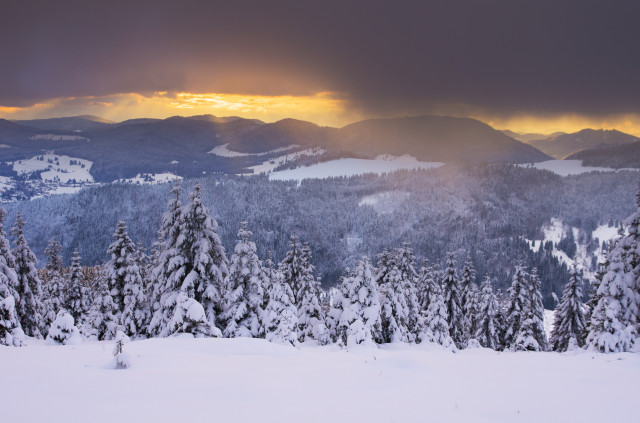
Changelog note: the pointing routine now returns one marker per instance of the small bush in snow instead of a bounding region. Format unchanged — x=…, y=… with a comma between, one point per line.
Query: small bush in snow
x=122, y=358
x=11, y=333
x=63, y=330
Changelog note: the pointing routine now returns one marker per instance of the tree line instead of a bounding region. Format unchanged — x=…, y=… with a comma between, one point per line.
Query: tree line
x=188, y=285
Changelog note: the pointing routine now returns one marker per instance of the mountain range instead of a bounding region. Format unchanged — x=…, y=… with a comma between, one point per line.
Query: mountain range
x=182, y=145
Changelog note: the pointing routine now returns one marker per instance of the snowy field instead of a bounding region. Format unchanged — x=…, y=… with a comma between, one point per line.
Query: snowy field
x=570, y=167
x=56, y=167
x=351, y=167
x=269, y=165
x=151, y=178
x=250, y=380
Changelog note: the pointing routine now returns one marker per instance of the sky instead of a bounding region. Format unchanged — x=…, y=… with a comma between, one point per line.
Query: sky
x=530, y=66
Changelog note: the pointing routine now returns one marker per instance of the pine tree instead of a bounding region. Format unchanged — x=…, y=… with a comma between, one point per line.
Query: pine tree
x=452, y=301
x=359, y=320
x=393, y=301
x=205, y=266
x=63, y=330
x=291, y=268
x=608, y=330
x=102, y=319
x=311, y=318
x=30, y=307
x=192, y=261
x=53, y=290
x=134, y=317
x=594, y=297
x=569, y=323
x=121, y=267
x=405, y=261
x=517, y=305
x=488, y=332
x=245, y=300
x=11, y=333
x=76, y=293
x=537, y=311
x=425, y=285
x=469, y=300
x=280, y=315
x=437, y=325
x=190, y=317
x=8, y=277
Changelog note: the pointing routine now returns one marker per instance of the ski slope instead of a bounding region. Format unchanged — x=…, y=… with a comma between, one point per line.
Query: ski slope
x=251, y=380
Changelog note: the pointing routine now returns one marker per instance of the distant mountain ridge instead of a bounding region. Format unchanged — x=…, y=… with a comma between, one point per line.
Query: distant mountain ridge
x=182, y=144
x=563, y=145
x=617, y=157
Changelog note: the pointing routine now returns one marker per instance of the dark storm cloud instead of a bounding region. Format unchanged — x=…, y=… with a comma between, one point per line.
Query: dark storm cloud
x=502, y=56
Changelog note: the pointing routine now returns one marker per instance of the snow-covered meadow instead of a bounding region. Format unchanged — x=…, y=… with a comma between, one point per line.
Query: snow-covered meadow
x=351, y=167
x=250, y=380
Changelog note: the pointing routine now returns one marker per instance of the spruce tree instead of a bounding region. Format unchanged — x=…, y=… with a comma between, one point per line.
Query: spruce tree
x=452, y=301
x=469, y=300
x=63, y=330
x=190, y=317
x=76, y=293
x=609, y=332
x=8, y=277
x=102, y=319
x=311, y=318
x=53, y=290
x=569, y=320
x=393, y=301
x=280, y=315
x=437, y=325
x=246, y=281
x=594, y=297
x=291, y=268
x=205, y=265
x=517, y=305
x=425, y=284
x=359, y=320
x=11, y=333
x=488, y=331
x=537, y=311
x=405, y=261
x=121, y=267
x=29, y=308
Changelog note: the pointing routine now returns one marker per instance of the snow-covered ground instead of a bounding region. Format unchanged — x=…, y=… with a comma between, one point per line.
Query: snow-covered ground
x=385, y=202
x=268, y=165
x=56, y=167
x=351, y=167
x=223, y=151
x=56, y=137
x=570, y=167
x=151, y=178
x=250, y=380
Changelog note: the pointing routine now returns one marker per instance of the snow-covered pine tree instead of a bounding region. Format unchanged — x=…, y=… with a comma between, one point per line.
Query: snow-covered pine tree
x=537, y=311
x=102, y=321
x=291, y=267
x=569, y=320
x=11, y=333
x=190, y=317
x=518, y=304
x=121, y=266
x=359, y=319
x=488, y=332
x=280, y=316
x=204, y=266
x=437, y=325
x=452, y=301
x=245, y=299
x=30, y=308
x=525, y=339
x=8, y=277
x=311, y=318
x=53, y=290
x=594, y=297
x=405, y=261
x=425, y=285
x=394, y=307
x=469, y=300
x=630, y=247
x=608, y=330
x=76, y=293
x=134, y=317
x=63, y=330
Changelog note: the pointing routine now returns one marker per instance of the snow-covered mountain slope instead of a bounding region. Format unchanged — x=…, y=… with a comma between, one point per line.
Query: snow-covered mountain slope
x=251, y=380
x=350, y=167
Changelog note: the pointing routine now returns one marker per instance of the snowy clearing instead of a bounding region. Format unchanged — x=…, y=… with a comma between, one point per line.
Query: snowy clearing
x=55, y=137
x=351, y=167
x=151, y=178
x=56, y=168
x=570, y=167
x=268, y=165
x=385, y=202
x=251, y=380
x=223, y=151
